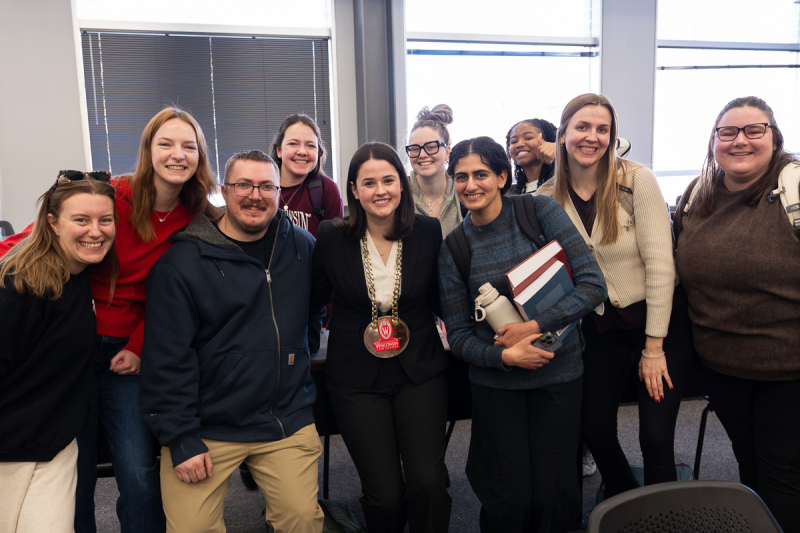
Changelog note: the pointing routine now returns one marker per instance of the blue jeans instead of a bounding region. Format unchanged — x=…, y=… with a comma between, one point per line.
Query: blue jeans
x=115, y=401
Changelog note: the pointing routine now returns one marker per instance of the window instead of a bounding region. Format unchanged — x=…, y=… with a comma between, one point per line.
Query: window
x=705, y=61
x=499, y=69
x=238, y=88
x=265, y=13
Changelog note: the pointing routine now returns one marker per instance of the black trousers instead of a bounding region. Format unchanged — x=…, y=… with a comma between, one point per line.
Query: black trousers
x=521, y=461
x=762, y=419
x=396, y=419
x=608, y=361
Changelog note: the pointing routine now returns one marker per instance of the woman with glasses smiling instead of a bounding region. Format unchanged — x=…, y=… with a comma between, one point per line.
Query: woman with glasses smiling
x=738, y=258
x=171, y=183
x=429, y=149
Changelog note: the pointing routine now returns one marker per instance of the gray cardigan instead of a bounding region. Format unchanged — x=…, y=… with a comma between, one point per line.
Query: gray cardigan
x=451, y=209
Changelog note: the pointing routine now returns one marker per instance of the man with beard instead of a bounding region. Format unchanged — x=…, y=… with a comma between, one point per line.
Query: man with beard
x=228, y=337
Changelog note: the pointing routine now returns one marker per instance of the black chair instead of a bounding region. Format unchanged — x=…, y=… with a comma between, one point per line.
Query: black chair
x=685, y=506
x=6, y=230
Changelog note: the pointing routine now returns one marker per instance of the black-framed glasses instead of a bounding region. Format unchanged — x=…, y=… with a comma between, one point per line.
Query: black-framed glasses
x=431, y=147
x=751, y=131
x=246, y=189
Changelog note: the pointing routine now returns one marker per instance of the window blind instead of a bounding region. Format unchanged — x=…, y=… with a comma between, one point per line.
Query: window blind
x=239, y=89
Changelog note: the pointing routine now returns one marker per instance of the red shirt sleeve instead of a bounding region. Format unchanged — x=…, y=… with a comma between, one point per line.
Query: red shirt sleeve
x=13, y=240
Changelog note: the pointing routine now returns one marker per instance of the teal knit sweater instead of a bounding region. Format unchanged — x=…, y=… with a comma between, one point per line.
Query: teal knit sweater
x=496, y=248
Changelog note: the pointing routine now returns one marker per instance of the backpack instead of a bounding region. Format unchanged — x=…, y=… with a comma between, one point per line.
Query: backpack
x=316, y=193
x=526, y=218
x=788, y=190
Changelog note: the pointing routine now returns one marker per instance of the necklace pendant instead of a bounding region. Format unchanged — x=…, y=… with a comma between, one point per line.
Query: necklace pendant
x=387, y=340
x=286, y=207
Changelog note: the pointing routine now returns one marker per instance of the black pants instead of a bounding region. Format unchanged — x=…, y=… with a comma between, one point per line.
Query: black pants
x=521, y=461
x=608, y=361
x=395, y=419
x=762, y=419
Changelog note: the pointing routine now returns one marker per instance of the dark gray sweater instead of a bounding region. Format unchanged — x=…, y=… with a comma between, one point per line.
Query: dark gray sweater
x=740, y=267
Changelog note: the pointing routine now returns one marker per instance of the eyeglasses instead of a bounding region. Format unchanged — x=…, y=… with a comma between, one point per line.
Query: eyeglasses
x=246, y=189
x=751, y=131
x=432, y=147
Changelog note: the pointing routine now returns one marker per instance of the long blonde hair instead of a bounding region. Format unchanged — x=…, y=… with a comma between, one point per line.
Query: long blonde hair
x=611, y=170
x=38, y=263
x=194, y=193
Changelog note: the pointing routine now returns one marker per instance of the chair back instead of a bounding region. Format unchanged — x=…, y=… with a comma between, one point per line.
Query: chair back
x=6, y=230
x=686, y=506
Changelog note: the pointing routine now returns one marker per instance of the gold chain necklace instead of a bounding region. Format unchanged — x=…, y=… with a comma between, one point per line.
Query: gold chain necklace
x=379, y=335
x=286, y=204
x=168, y=213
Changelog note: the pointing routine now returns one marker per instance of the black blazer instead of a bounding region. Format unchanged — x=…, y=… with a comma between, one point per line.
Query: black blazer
x=338, y=269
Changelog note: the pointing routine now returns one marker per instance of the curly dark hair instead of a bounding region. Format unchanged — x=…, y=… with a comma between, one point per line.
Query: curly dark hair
x=549, y=131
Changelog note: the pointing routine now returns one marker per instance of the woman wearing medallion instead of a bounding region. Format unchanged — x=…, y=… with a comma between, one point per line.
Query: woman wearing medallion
x=428, y=150
x=171, y=183
x=525, y=400
x=385, y=360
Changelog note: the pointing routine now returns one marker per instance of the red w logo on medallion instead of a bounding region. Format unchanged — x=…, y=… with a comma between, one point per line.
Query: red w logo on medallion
x=385, y=329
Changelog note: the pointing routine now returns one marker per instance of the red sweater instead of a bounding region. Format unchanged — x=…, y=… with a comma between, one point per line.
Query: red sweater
x=124, y=316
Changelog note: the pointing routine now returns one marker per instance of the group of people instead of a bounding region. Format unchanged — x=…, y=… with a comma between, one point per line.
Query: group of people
x=206, y=319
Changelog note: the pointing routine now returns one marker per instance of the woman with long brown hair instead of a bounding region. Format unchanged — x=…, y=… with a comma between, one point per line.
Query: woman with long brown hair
x=737, y=255
x=619, y=211
x=171, y=183
x=47, y=331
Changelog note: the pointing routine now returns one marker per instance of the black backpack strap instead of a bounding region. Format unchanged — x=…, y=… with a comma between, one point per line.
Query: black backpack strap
x=316, y=193
x=527, y=219
x=457, y=243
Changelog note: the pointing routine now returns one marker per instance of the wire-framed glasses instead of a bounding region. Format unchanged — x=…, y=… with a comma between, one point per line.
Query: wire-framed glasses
x=246, y=189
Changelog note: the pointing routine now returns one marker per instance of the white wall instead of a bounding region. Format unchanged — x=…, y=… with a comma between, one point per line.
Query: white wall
x=42, y=103
x=628, y=70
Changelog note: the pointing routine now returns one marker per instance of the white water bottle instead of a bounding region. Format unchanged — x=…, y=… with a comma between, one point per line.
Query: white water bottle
x=494, y=308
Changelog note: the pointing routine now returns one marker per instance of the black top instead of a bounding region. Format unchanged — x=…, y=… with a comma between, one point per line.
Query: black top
x=338, y=268
x=633, y=316
x=45, y=369
x=261, y=249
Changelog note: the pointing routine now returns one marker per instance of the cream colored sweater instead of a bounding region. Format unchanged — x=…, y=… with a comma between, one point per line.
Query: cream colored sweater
x=639, y=265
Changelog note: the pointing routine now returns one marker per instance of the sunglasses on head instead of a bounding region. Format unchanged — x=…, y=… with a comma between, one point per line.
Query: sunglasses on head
x=66, y=176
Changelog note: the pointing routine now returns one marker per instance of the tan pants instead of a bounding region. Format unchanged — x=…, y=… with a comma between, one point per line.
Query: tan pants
x=285, y=471
x=39, y=497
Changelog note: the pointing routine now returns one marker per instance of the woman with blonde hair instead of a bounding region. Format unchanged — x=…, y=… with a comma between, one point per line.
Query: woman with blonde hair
x=428, y=150
x=619, y=211
x=171, y=184
x=47, y=331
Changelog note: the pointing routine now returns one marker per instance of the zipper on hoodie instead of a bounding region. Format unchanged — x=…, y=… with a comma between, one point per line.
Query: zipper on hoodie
x=278, y=332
